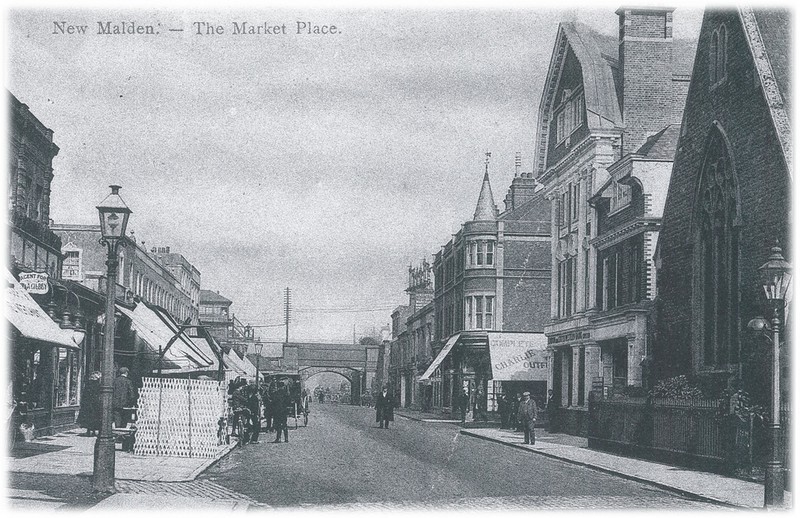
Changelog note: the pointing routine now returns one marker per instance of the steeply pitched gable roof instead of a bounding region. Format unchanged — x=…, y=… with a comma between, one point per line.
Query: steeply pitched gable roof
x=769, y=37
x=599, y=57
x=662, y=145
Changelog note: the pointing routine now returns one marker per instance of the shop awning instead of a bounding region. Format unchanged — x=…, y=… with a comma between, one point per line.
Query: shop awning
x=518, y=356
x=30, y=320
x=234, y=363
x=157, y=332
x=440, y=357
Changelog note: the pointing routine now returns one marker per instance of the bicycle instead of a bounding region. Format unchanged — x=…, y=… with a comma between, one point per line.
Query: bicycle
x=241, y=426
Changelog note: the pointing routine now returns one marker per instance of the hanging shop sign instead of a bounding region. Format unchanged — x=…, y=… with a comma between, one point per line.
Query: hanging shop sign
x=34, y=282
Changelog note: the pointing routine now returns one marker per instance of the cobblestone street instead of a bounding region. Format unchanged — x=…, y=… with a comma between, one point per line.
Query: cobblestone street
x=342, y=460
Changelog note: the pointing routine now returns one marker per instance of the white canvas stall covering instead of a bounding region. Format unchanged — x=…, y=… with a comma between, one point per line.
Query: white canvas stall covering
x=179, y=417
x=150, y=327
x=29, y=318
x=518, y=356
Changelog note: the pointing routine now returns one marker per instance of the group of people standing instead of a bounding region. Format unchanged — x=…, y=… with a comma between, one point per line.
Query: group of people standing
x=520, y=412
x=123, y=399
x=272, y=400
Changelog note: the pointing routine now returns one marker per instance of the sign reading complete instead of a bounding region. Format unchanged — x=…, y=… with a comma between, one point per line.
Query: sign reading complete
x=518, y=356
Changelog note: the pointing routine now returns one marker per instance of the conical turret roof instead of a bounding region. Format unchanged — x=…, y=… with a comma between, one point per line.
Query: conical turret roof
x=486, y=210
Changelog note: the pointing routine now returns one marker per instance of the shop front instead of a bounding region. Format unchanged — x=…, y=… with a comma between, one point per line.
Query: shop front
x=46, y=365
x=487, y=364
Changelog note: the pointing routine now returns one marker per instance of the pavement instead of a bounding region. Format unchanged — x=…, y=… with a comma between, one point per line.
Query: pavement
x=707, y=486
x=71, y=454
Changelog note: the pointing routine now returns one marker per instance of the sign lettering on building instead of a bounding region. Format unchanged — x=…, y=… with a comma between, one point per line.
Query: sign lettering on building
x=518, y=356
x=34, y=282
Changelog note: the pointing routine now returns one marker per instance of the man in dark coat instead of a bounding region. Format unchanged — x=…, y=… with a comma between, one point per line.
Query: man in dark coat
x=462, y=403
x=503, y=409
x=90, y=411
x=266, y=396
x=515, y=401
x=280, y=412
x=526, y=416
x=254, y=405
x=384, y=408
x=124, y=397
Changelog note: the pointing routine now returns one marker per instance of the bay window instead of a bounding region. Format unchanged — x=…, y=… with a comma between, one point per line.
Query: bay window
x=480, y=253
x=479, y=312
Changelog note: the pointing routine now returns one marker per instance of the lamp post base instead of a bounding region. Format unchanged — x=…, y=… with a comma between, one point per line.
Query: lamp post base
x=104, y=460
x=773, y=485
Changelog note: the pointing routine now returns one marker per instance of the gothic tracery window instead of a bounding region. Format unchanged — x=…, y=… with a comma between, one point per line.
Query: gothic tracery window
x=718, y=249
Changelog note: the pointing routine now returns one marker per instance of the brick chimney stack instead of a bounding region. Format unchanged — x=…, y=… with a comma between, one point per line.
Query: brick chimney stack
x=645, y=57
x=523, y=186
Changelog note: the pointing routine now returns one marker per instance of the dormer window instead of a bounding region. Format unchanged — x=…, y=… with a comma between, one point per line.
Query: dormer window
x=620, y=197
x=718, y=56
x=569, y=115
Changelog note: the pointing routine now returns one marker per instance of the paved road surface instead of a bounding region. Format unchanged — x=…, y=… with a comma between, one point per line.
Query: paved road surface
x=342, y=460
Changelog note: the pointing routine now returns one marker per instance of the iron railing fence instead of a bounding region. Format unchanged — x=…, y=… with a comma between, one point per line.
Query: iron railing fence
x=695, y=432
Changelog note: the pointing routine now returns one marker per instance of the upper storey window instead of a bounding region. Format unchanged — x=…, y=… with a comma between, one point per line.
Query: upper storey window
x=480, y=253
x=718, y=56
x=620, y=196
x=568, y=114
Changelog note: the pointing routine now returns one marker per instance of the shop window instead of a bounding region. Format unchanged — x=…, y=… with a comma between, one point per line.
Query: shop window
x=29, y=380
x=68, y=376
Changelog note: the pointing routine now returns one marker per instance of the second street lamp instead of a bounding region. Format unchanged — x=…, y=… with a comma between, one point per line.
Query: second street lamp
x=776, y=276
x=113, y=222
x=259, y=347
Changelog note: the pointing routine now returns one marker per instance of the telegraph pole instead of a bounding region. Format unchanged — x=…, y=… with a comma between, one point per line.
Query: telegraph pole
x=287, y=301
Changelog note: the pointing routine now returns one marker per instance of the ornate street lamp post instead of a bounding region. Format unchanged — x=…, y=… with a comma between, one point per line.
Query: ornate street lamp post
x=113, y=222
x=776, y=275
x=259, y=348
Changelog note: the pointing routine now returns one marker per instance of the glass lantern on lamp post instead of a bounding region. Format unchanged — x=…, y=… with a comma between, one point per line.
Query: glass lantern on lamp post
x=776, y=275
x=114, y=214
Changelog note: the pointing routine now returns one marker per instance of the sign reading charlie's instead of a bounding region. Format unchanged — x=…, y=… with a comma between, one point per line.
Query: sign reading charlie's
x=518, y=356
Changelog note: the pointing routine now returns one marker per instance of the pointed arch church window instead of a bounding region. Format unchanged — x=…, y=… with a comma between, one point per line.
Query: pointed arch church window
x=717, y=246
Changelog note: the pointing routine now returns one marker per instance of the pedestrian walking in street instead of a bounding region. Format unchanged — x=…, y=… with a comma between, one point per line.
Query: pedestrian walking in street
x=266, y=398
x=384, y=408
x=503, y=409
x=89, y=416
x=254, y=405
x=463, y=405
x=527, y=417
x=552, y=409
x=280, y=413
x=124, y=398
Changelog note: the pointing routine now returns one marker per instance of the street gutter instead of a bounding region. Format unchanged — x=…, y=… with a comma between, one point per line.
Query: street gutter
x=609, y=471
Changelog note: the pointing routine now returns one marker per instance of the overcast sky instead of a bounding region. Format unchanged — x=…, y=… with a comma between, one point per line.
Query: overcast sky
x=324, y=163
